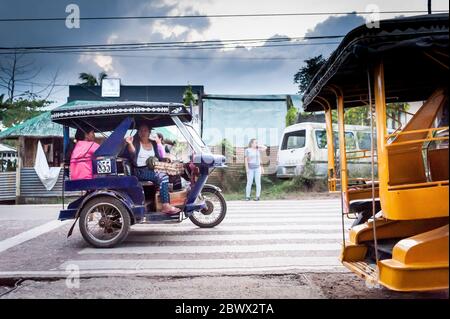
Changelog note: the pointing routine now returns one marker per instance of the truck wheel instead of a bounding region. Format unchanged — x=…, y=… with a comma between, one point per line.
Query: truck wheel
x=215, y=211
x=104, y=222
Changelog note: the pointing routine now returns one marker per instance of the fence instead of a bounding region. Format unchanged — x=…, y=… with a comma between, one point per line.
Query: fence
x=31, y=187
x=7, y=186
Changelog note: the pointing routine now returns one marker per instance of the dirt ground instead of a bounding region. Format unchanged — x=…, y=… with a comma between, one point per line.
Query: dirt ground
x=281, y=286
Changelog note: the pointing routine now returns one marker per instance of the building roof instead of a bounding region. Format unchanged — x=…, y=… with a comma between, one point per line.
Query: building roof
x=143, y=93
x=38, y=126
x=43, y=126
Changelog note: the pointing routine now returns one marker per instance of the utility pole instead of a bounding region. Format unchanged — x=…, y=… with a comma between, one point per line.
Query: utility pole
x=429, y=6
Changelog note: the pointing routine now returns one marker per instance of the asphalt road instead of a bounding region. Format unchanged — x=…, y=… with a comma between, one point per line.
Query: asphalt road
x=267, y=249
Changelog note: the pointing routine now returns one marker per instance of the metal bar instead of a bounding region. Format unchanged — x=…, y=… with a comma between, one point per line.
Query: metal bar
x=372, y=162
x=342, y=147
x=443, y=128
x=342, y=159
x=443, y=138
x=330, y=145
x=445, y=66
x=426, y=184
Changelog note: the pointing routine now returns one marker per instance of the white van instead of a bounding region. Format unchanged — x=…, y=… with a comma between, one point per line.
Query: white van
x=309, y=139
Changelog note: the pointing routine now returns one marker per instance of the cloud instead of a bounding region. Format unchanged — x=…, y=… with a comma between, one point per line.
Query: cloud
x=105, y=62
x=239, y=71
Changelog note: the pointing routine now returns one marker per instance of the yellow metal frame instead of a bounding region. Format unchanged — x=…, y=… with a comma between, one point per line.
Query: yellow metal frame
x=331, y=172
x=415, y=212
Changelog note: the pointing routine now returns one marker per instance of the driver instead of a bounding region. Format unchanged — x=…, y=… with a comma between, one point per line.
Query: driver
x=140, y=148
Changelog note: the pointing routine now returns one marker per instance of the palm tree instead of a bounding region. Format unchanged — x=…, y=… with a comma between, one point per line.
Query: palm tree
x=102, y=75
x=90, y=80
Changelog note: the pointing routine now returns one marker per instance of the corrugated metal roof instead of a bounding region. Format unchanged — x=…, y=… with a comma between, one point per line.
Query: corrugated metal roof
x=38, y=126
x=41, y=125
x=266, y=97
x=6, y=148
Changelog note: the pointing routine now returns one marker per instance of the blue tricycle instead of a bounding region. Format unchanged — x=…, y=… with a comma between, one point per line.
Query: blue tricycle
x=114, y=199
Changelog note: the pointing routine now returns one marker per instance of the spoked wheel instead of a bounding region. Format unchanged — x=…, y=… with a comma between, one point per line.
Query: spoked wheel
x=104, y=222
x=215, y=211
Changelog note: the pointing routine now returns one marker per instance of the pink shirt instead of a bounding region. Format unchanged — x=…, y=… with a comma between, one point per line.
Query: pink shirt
x=161, y=150
x=81, y=160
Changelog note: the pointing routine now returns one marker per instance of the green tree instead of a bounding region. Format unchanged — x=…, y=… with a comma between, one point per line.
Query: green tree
x=306, y=73
x=360, y=115
x=291, y=115
x=189, y=96
x=354, y=115
x=12, y=113
x=88, y=79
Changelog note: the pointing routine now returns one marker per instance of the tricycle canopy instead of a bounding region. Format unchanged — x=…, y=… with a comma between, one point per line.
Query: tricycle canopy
x=414, y=51
x=106, y=116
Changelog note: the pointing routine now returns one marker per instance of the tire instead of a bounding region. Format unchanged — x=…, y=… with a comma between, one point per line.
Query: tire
x=201, y=218
x=106, y=215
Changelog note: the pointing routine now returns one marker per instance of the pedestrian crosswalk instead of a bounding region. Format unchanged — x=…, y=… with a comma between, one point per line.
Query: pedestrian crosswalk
x=265, y=236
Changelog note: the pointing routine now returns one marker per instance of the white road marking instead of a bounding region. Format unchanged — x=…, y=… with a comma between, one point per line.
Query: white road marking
x=284, y=209
x=214, y=249
x=232, y=237
x=30, y=234
x=171, y=271
x=186, y=227
x=288, y=201
x=223, y=264
x=254, y=230
x=279, y=220
x=277, y=214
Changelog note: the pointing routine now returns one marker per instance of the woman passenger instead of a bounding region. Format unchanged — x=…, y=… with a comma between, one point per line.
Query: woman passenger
x=140, y=148
x=159, y=139
x=82, y=155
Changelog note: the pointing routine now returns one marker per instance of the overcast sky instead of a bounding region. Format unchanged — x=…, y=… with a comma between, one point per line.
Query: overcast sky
x=236, y=71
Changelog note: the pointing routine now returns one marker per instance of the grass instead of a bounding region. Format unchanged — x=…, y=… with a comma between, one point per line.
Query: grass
x=273, y=188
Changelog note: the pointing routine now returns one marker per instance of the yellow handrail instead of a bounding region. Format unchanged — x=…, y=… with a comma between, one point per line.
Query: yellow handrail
x=417, y=141
x=415, y=185
x=443, y=128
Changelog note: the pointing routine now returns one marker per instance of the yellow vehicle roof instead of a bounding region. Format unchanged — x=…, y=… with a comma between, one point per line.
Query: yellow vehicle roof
x=413, y=49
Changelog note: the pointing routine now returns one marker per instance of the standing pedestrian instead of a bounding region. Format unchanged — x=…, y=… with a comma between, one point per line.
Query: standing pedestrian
x=253, y=167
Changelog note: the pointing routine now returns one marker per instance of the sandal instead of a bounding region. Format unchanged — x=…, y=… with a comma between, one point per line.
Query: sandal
x=172, y=211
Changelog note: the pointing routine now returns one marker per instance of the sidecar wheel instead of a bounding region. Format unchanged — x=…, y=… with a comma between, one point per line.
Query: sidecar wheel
x=104, y=222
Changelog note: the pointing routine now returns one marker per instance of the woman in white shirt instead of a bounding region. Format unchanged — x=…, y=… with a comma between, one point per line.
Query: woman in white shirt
x=253, y=167
x=140, y=148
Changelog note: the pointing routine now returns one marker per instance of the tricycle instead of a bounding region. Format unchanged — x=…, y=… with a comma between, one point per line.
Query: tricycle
x=114, y=199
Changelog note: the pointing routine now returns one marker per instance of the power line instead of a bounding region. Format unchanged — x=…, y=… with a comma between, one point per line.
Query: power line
x=163, y=57
x=174, y=43
x=184, y=48
x=154, y=17
x=180, y=45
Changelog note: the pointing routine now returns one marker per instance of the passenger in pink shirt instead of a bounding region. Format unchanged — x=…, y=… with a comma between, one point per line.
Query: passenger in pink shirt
x=159, y=139
x=82, y=155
